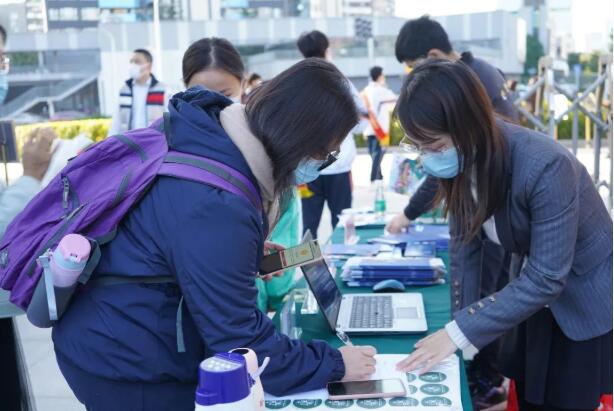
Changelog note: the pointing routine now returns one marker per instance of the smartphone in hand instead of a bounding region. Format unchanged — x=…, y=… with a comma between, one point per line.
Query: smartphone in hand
x=290, y=257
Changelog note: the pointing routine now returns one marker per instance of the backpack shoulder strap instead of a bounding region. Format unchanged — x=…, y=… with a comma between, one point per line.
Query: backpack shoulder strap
x=205, y=170
x=211, y=172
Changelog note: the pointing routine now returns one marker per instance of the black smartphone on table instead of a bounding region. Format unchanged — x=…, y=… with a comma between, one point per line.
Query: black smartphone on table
x=348, y=390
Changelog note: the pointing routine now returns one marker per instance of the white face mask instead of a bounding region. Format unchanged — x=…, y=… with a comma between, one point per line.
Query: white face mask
x=235, y=99
x=134, y=71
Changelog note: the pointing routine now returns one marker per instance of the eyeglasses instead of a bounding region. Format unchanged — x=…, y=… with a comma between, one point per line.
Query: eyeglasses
x=411, y=148
x=414, y=150
x=330, y=159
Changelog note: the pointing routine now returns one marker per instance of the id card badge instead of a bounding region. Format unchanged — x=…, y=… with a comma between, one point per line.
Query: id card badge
x=300, y=254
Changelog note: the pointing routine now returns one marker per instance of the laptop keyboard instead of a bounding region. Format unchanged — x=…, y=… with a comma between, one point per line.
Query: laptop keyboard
x=371, y=312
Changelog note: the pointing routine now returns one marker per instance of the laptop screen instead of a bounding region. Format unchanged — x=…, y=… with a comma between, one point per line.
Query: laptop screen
x=325, y=290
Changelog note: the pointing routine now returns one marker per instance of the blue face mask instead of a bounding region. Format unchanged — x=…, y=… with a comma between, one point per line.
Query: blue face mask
x=443, y=164
x=4, y=86
x=307, y=170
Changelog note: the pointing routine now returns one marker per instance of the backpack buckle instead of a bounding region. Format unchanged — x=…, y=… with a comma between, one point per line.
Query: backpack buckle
x=4, y=258
x=43, y=260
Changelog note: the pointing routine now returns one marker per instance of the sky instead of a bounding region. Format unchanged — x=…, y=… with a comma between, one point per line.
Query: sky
x=590, y=18
x=414, y=8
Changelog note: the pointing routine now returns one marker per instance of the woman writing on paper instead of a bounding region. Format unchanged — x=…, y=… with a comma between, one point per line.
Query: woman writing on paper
x=118, y=345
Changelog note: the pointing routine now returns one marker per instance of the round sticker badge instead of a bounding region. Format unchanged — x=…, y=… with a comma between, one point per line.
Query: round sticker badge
x=434, y=389
x=436, y=401
x=277, y=404
x=371, y=404
x=339, y=404
x=306, y=404
x=403, y=402
x=433, y=377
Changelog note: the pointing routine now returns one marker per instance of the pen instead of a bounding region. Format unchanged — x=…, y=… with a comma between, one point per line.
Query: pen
x=344, y=338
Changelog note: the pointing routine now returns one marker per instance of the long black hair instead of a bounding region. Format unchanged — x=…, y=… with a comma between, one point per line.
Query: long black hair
x=306, y=111
x=212, y=53
x=441, y=97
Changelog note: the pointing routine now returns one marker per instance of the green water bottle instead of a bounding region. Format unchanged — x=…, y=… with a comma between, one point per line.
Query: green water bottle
x=380, y=199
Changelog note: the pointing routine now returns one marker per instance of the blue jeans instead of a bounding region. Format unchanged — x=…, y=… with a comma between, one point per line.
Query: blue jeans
x=376, y=152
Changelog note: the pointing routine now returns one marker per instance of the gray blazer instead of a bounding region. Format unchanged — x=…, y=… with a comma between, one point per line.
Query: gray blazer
x=556, y=219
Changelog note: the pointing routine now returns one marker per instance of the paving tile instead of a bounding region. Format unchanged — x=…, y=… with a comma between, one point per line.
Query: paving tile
x=46, y=403
x=29, y=332
x=36, y=351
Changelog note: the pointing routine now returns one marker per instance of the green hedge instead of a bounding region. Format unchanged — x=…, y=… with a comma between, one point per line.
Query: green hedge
x=564, y=129
x=96, y=129
x=565, y=126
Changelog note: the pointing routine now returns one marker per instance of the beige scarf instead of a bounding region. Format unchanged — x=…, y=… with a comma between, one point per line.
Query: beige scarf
x=235, y=124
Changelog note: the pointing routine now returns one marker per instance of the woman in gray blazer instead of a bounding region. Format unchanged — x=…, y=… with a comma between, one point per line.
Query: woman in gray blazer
x=518, y=188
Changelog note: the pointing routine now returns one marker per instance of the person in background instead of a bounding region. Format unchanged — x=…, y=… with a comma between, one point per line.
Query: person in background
x=35, y=159
x=4, y=66
x=117, y=345
x=334, y=185
x=36, y=155
x=377, y=95
x=526, y=192
x=420, y=39
x=424, y=38
x=215, y=64
x=141, y=99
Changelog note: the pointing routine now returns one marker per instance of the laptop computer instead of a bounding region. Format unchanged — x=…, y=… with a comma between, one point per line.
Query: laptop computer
x=394, y=313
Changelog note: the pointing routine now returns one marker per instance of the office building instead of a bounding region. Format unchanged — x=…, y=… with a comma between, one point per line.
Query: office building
x=71, y=14
x=72, y=60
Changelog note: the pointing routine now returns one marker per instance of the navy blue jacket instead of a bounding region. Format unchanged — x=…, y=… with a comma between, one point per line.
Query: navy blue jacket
x=212, y=242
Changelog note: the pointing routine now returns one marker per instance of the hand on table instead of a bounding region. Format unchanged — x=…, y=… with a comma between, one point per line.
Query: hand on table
x=270, y=246
x=398, y=224
x=428, y=352
x=359, y=362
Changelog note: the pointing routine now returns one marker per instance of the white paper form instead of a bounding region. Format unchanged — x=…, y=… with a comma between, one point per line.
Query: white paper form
x=437, y=390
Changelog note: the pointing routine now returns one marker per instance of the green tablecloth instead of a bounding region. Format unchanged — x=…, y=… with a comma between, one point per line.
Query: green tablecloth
x=438, y=313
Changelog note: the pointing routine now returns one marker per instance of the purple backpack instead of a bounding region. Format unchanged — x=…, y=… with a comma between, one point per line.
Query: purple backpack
x=94, y=192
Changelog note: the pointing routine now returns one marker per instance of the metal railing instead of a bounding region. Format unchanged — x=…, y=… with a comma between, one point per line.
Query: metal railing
x=543, y=91
x=48, y=93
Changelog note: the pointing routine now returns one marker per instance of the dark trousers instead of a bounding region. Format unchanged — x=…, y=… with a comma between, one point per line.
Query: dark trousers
x=335, y=190
x=523, y=405
x=377, y=154
x=553, y=372
x=11, y=390
x=101, y=394
x=484, y=372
